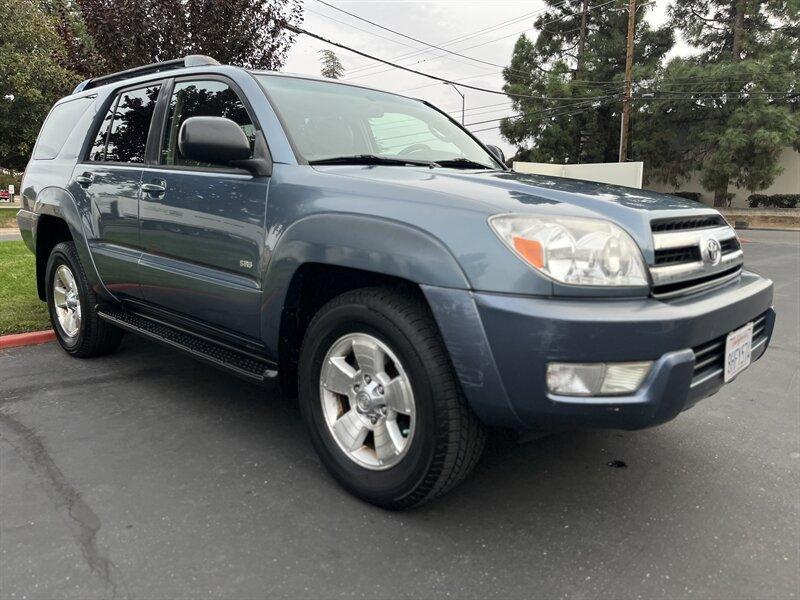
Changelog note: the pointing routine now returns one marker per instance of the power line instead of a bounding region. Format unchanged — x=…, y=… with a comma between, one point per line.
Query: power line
x=300, y=30
x=582, y=104
x=500, y=38
x=466, y=36
x=383, y=37
x=409, y=37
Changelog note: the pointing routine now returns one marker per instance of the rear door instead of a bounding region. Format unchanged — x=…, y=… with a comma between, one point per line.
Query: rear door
x=108, y=179
x=202, y=225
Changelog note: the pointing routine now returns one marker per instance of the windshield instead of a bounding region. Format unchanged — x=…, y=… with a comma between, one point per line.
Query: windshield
x=328, y=121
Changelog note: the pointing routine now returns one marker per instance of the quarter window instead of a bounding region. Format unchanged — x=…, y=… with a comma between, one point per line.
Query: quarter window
x=58, y=126
x=201, y=99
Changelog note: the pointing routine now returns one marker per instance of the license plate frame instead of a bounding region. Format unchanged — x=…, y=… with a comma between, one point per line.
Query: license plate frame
x=738, y=351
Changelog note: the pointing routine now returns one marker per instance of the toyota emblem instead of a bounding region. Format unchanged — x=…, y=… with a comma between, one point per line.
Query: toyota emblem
x=711, y=251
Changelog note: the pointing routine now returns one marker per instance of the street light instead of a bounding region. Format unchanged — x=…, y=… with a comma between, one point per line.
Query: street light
x=463, y=99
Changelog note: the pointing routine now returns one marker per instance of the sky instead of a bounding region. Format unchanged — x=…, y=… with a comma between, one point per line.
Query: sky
x=435, y=22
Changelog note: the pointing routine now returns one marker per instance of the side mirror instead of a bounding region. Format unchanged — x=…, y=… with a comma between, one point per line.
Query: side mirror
x=215, y=140
x=498, y=154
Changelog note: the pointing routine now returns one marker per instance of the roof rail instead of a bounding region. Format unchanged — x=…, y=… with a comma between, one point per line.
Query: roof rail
x=192, y=60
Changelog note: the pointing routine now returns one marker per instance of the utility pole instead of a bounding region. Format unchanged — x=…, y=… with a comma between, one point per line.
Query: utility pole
x=463, y=99
x=625, y=124
x=579, y=121
x=581, y=38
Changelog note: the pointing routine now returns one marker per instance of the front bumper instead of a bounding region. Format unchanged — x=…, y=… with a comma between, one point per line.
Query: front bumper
x=500, y=346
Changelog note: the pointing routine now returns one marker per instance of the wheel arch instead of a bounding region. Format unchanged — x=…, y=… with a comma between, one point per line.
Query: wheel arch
x=59, y=219
x=369, y=249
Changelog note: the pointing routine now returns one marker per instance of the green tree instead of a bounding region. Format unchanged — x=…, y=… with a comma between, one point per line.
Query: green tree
x=31, y=77
x=248, y=33
x=577, y=62
x=331, y=65
x=730, y=110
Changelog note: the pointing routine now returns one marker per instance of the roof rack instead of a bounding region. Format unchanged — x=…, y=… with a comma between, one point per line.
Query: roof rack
x=192, y=60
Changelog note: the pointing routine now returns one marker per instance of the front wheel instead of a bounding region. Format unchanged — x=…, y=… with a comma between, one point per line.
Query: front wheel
x=378, y=393
x=73, y=307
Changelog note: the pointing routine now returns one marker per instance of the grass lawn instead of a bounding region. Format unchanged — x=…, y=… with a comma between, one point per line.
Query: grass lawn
x=8, y=216
x=20, y=307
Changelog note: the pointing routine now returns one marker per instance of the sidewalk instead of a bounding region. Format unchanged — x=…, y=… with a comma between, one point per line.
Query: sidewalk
x=8, y=234
x=763, y=218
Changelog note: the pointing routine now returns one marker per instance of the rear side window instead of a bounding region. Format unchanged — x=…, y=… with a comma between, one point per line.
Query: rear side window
x=122, y=136
x=201, y=99
x=59, y=125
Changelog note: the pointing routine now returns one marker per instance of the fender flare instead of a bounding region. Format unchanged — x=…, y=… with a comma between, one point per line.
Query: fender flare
x=368, y=243
x=59, y=203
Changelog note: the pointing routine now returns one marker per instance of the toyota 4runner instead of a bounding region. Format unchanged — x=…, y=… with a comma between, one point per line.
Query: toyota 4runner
x=383, y=264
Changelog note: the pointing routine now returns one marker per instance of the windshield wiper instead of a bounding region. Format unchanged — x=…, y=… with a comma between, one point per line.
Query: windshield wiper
x=461, y=163
x=371, y=159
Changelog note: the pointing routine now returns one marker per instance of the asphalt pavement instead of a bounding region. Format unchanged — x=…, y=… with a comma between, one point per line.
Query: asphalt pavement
x=148, y=475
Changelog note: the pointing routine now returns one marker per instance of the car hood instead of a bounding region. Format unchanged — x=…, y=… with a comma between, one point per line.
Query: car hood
x=510, y=191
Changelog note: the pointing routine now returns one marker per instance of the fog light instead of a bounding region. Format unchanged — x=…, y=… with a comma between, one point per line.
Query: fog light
x=596, y=379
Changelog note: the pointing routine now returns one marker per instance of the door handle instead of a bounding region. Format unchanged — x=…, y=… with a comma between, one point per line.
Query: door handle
x=85, y=180
x=154, y=189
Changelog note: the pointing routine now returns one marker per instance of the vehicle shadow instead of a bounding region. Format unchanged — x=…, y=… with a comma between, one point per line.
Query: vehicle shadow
x=595, y=475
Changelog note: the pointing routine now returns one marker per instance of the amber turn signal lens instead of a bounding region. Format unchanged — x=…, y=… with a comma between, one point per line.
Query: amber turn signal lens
x=531, y=250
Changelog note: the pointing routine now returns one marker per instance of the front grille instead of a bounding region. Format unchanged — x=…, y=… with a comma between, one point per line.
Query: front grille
x=684, y=287
x=729, y=245
x=682, y=262
x=709, y=358
x=684, y=223
x=672, y=256
x=689, y=254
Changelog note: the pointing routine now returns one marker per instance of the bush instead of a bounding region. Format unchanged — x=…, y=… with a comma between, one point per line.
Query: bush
x=696, y=196
x=10, y=178
x=773, y=201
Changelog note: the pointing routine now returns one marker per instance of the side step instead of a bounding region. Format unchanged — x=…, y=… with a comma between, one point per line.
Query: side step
x=243, y=364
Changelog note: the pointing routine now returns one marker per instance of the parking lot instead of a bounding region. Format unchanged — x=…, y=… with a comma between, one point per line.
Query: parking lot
x=148, y=475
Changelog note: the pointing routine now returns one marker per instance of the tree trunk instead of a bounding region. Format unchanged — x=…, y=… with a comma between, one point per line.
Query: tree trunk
x=721, y=196
x=739, y=8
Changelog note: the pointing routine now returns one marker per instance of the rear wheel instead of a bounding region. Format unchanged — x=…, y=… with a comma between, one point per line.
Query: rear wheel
x=72, y=306
x=378, y=393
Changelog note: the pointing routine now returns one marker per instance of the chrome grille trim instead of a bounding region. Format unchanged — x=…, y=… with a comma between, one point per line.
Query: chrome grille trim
x=692, y=289
x=692, y=270
x=691, y=237
x=678, y=268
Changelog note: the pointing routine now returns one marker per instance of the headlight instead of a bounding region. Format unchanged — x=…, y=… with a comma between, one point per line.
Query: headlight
x=574, y=250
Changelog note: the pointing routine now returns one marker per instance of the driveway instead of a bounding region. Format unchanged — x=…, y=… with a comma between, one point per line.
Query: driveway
x=148, y=475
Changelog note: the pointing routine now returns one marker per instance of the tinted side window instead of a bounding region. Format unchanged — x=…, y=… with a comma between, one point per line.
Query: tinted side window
x=201, y=99
x=98, y=150
x=58, y=126
x=128, y=135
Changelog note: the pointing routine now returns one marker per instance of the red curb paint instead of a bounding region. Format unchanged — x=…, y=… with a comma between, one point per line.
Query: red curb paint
x=27, y=339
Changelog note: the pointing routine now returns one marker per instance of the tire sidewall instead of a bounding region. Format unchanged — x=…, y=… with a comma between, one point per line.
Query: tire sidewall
x=61, y=256
x=388, y=486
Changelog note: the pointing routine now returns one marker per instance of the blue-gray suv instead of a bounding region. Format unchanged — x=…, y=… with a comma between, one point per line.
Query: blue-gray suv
x=372, y=255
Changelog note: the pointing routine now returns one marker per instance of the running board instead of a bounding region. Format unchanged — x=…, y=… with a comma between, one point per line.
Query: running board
x=243, y=364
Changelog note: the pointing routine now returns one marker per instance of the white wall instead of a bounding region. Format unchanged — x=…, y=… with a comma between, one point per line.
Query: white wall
x=788, y=182
x=628, y=174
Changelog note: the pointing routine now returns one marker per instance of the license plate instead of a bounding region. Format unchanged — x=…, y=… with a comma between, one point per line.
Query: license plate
x=738, y=347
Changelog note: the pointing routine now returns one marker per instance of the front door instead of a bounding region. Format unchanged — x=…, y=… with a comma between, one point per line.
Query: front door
x=202, y=225
x=108, y=179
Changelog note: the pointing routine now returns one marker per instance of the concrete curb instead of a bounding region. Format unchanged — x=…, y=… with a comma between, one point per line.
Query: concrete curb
x=27, y=339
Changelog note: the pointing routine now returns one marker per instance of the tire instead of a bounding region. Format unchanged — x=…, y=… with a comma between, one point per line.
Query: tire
x=442, y=439
x=87, y=335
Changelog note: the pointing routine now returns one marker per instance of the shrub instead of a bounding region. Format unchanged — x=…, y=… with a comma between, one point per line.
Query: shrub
x=774, y=200
x=696, y=196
